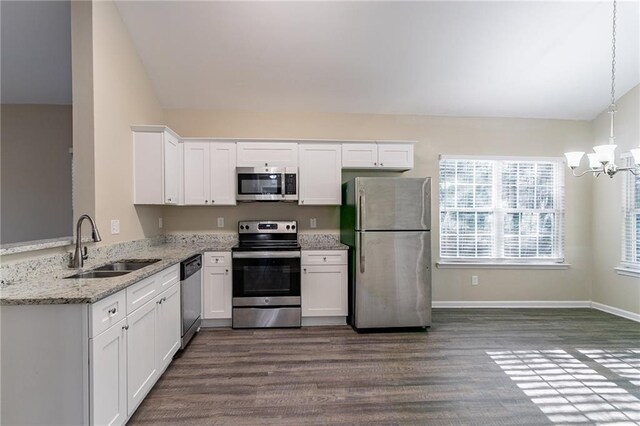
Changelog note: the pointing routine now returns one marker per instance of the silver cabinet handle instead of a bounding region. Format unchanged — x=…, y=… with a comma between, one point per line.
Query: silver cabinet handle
x=112, y=311
x=164, y=299
x=125, y=327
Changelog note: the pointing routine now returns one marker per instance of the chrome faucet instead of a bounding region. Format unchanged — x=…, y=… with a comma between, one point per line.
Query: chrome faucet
x=79, y=256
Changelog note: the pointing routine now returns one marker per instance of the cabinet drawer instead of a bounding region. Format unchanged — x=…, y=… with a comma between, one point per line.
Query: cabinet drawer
x=107, y=312
x=326, y=257
x=217, y=259
x=168, y=277
x=142, y=292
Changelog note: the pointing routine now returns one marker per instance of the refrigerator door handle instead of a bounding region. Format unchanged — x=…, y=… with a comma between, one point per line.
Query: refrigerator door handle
x=361, y=236
x=362, y=206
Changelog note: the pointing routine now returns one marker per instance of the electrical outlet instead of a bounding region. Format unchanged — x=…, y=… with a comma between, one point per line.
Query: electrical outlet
x=313, y=222
x=221, y=222
x=115, y=226
x=160, y=222
x=474, y=280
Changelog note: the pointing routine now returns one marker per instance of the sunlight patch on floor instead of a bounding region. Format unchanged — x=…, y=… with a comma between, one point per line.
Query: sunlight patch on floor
x=568, y=391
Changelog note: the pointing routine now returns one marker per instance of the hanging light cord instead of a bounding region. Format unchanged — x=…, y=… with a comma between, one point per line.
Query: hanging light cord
x=613, y=57
x=612, y=106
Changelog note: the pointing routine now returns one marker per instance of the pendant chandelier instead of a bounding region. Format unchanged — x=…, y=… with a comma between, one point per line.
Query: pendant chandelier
x=602, y=160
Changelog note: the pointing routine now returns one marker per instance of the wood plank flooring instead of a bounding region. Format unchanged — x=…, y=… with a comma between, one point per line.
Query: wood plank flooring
x=459, y=372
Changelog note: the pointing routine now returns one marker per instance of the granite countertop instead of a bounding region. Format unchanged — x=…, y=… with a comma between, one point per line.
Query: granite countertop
x=55, y=289
x=323, y=245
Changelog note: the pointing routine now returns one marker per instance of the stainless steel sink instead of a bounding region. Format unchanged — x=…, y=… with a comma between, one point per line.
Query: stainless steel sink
x=126, y=265
x=115, y=269
x=100, y=274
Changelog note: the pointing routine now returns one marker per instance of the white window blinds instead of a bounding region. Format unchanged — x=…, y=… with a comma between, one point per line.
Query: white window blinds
x=507, y=209
x=631, y=220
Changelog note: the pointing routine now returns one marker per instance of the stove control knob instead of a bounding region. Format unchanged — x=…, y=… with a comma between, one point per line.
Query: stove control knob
x=288, y=227
x=266, y=300
x=293, y=227
x=241, y=226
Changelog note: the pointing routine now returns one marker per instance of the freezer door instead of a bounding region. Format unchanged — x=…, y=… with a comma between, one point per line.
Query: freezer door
x=393, y=204
x=392, y=280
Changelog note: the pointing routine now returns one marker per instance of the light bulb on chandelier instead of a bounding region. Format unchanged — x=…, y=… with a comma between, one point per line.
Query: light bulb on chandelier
x=603, y=159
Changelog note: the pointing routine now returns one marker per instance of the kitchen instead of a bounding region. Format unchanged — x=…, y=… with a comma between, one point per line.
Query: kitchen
x=127, y=90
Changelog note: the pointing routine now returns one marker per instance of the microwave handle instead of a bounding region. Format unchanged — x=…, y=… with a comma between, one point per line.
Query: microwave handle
x=283, y=176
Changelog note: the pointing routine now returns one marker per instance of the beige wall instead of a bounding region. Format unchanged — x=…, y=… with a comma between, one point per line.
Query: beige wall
x=123, y=96
x=36, y=172
x=610, y=288
x=435, y=136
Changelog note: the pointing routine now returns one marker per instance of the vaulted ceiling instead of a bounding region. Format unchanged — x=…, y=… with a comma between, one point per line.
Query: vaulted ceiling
x=510, y=59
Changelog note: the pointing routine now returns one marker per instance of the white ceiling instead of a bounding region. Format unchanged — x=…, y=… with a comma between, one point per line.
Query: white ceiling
x=509, y=59
x=35, y=40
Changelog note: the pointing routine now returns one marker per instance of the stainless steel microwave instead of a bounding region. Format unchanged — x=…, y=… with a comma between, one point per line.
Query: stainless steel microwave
x=267, y=184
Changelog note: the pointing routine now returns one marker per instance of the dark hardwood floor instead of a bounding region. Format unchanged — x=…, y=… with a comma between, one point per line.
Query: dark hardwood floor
x=473, y=366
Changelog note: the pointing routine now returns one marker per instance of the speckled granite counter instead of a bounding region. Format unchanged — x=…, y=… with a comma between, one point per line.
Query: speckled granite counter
x=53, y=288
x=321, y=242
x=45, y=283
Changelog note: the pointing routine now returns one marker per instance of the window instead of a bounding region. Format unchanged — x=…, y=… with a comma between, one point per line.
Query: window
x=631, y=221
x=501, y=209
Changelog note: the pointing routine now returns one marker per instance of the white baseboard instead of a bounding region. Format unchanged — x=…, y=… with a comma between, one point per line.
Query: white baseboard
x=616, y=311
x=513, y=304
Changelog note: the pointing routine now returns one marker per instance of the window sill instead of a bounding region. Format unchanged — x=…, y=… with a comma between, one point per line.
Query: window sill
x=501, y=265
x=627, y=271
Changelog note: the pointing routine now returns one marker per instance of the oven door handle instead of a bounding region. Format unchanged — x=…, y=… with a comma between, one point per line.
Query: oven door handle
x=266, y=254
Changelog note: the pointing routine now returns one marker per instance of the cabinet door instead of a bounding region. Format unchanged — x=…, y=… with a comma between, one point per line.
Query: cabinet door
x=223, y=173
x=267, y=154
x=108, y=376
x=147, y=168
x=395, y=155
x=359, y=155
x=196, y=173
x=170, y=169
x=168, y=326
x=324, y=291
x=216, y=293
x=141, y=354
x=320, y=174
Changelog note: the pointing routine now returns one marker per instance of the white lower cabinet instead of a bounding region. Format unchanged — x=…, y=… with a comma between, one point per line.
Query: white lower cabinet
x=324, y=285
x=127, y=359
x=168, y=326
x=141, y=353
x=108, y=376
x=216, y=287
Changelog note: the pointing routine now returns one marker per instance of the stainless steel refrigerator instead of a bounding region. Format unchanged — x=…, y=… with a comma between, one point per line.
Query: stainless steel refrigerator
x=386, y=224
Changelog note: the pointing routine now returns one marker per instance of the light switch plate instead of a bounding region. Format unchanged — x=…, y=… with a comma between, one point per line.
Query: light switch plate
x=474, y=280
x=160, y=222
x=221, y=222
x=115, y=226
x=313, y=222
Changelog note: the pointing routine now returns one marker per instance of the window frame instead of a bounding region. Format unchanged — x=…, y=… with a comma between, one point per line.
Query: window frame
x=499, y=212
x=630, y=208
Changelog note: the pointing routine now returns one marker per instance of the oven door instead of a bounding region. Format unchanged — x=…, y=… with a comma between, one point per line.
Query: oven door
x=265, y=184
x=264, y=278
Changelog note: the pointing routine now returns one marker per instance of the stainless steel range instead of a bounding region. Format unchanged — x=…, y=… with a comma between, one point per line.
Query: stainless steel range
x=266, y=275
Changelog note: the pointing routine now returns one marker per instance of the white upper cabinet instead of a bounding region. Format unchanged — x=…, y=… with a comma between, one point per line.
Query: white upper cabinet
x=320, y=174
x=209, y=173
x=156, y=166
x=196, y=173
x=267, y=154
x=395, y=155
x=222, y=182
x=359, y=155
x=381, y=155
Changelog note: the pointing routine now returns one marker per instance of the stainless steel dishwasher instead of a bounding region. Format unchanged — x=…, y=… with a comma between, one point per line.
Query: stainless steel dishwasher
x=190, y=297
